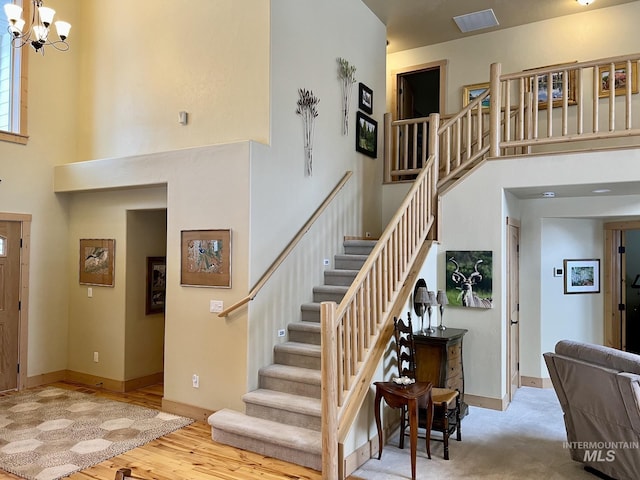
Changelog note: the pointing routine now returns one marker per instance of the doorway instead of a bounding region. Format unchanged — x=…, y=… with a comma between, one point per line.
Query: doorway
x=418, y=91
x=513, y=306
x=14, y=292
x=622, y=285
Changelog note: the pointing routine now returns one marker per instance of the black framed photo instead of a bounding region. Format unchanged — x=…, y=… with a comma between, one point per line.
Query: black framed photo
x=156, y=284
x=365, y=99
x=366, y=135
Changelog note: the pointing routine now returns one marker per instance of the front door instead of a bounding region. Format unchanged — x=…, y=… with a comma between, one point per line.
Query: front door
x=9, y=303
x=513, y=305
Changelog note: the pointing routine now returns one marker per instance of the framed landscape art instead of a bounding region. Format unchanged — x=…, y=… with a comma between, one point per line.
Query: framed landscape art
x=582, y=276
x=366, y=135
x=621, y=77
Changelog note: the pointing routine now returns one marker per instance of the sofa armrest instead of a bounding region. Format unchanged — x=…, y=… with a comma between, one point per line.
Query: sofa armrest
x=629, y=385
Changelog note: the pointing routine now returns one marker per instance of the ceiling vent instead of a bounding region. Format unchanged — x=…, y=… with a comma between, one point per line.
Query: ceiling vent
x=476, y=20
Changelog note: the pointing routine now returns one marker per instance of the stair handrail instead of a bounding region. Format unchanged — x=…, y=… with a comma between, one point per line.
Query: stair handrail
x=290, y=246
x=351, y=330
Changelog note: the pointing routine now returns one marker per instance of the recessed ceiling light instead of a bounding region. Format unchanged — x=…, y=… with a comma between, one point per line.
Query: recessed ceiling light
x=586, y=2
x=548, y=194
x=601, y=190
x=476, y=20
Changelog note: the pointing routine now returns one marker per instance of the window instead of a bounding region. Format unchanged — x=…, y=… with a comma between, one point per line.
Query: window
x=13, y=80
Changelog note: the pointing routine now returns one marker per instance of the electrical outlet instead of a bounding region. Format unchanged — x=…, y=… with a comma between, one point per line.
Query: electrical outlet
x=326, y=262
x=195, y=380
x=95, y=357
x=281, y=332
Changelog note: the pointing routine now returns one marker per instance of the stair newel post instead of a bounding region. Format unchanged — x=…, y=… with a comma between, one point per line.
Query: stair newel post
x=494, y=110
x=329, y=392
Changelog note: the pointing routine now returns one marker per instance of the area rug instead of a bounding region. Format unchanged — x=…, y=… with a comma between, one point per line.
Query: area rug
x=49, y=433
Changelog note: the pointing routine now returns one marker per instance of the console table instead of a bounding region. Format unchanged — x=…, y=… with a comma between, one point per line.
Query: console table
x=439, y=360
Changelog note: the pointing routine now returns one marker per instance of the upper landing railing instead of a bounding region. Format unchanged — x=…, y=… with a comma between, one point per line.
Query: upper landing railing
x=543, y=109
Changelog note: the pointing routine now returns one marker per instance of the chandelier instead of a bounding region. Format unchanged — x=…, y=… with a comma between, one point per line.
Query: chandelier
x=37, y=32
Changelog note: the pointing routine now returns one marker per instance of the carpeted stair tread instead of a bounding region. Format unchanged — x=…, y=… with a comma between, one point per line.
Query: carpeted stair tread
x=284, y=401
x=288, y=372
x=299, y=348
x=289, y=436
x=340, y=276
x=341, y=289
x=305, y=326
x=359, y=246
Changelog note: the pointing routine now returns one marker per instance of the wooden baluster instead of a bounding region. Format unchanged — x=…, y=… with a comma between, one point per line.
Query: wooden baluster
x=550, y=104
x=565, y=101
x=596, y=103
x=628, y=92
x=580, y=100
x=612, y=96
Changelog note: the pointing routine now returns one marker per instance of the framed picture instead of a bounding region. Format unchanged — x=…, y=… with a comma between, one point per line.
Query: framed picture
x=620, y=79
x=156, y=284
x=471, y=92
x=365, y=99
x=556, y=88
x=97, y=261
x=469, y=278
x=582, y=276
x=366, y=135
x=205, y=258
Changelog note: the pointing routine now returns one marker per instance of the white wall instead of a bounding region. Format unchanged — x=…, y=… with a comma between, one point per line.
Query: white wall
x=196, y=341
x=544, y=222
x=27, y=175
x=142, y=62
x=304, y=54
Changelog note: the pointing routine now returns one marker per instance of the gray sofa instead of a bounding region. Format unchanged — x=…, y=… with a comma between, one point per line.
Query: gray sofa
x=599, y=391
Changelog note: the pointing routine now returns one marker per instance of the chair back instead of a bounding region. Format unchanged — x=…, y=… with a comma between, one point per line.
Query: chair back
x=405, y=348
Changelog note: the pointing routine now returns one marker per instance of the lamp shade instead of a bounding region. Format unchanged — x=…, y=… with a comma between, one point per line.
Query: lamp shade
x=46, y=15
x=13, y=11
x=442, y=298
x=432, y=298
x=63, y=29
x=422, y=296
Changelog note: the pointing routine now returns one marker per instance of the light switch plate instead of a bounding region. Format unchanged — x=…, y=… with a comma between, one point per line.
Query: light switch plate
x=216, y=306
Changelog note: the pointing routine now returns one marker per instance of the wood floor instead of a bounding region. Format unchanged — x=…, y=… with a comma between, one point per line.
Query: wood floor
x=186, y=454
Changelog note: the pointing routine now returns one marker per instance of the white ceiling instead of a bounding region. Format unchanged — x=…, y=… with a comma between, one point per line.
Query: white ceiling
x=416, y=23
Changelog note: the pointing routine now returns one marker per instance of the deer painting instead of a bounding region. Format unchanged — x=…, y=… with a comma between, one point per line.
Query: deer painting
x=467, y=296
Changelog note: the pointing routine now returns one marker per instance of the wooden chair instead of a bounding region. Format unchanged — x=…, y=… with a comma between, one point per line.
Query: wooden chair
x=446, y=402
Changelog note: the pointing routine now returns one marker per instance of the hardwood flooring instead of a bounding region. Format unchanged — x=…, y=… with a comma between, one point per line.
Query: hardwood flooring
x=188, y=453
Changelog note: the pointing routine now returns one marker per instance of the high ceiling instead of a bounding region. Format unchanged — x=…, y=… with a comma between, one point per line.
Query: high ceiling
x=415, y=23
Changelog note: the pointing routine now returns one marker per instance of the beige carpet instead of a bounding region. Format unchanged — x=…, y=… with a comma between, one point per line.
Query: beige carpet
x=49, y=433
x=525, y=442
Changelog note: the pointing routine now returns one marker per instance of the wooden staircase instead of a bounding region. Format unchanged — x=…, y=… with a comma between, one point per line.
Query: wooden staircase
x=282, y=417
